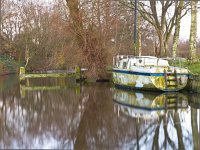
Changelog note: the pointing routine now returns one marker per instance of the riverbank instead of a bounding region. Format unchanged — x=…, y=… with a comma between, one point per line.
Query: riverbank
x=194, y=68
x=194, y=78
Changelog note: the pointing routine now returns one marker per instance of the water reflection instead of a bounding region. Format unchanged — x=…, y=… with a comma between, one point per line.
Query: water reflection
x=163, y=121
x=148, y=105
x=39, y=119
x=48, y=84
x=195, y=118
x=54, y=114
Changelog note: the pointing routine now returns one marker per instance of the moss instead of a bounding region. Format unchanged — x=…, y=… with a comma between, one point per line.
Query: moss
x=159, y=82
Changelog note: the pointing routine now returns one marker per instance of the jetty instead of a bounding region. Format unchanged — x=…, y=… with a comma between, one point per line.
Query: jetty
x=77, y=72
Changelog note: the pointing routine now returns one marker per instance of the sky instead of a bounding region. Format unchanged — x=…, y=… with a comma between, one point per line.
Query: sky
x=185, y=26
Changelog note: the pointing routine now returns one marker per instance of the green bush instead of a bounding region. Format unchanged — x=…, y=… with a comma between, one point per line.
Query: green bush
x=8, y=64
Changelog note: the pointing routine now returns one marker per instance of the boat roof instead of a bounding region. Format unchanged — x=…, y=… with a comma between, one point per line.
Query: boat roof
x=153, y=57
x=131, y=56
x=146, y=57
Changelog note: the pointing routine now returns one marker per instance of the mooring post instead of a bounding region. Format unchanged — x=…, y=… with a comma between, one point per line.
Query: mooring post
x=78, y=72
x=135, y=33
x=22, y=73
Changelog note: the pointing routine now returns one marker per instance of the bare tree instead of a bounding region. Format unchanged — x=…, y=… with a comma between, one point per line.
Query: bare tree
x=162, y=15
x=92, y=25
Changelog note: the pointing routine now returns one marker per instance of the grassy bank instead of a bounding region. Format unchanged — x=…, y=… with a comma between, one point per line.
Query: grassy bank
x=194, y=68
x=8, y=65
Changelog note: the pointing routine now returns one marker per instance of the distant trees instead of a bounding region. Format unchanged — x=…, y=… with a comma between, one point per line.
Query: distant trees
x=5, y=26
x=37, y=33
x=0, y=23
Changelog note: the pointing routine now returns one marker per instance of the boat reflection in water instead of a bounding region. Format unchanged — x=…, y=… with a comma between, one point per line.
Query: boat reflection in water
x=162, y=121
x=148, y=105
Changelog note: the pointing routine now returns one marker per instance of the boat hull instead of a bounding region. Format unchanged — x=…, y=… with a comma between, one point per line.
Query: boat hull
x=148, y=80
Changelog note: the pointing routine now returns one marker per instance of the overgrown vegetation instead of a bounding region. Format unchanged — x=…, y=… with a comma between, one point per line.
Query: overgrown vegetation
x=8, y=64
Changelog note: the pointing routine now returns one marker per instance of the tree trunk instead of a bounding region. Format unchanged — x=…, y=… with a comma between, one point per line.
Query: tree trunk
x=177, y=29
x=193, y=31
x=0, y=25
x=161, y=45
x=165, y=47
x=90, y=40
x=76, y=19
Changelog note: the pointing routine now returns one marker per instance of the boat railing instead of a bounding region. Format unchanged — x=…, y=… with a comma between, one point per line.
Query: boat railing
x=176, y=61
x=172, y=61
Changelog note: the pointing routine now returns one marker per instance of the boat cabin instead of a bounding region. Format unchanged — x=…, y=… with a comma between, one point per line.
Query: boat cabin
x=129, y=61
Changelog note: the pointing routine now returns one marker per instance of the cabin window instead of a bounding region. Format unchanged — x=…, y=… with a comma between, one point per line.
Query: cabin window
x=140, y=60
x=124, y=65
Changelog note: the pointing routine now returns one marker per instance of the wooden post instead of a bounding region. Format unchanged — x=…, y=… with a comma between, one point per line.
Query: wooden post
x=78, y=72
x=22, y=70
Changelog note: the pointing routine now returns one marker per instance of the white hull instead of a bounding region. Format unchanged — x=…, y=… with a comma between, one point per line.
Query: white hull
x=150, y=79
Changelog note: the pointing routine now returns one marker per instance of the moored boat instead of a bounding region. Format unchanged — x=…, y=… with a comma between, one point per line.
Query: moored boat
x=148, y=73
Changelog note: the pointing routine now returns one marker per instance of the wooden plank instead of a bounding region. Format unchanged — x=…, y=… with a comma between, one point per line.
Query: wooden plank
x=52, y=75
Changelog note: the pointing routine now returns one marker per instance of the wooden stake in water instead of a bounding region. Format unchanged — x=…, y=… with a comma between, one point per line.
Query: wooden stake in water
x=22, y=73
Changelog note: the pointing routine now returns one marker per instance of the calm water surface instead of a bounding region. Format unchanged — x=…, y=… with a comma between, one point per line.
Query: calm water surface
x=58, y=113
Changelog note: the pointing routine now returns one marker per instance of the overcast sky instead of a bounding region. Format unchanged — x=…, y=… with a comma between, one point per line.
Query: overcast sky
x=185, y=26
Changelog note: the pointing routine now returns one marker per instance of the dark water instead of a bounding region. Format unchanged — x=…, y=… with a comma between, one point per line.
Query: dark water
x=58, y=113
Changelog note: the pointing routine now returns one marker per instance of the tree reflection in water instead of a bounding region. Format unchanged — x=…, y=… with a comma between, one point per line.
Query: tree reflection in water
x=86, y=117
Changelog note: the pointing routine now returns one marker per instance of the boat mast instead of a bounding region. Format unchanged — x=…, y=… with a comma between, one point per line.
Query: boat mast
x=135, y=28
